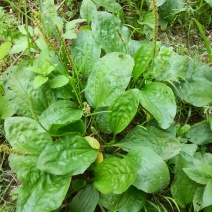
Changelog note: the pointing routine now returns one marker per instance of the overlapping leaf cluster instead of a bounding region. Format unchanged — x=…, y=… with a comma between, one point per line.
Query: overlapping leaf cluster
x=108, y=86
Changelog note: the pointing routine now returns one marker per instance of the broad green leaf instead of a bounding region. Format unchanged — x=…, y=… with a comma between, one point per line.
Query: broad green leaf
x=6, y=109
x=189, y=149
x=70, y=31
x=123, y=109
x=110, y=5
x=197, y=176
x=197, y=87
x=207, y=200
x=58, y=81
x=85, y=51
x=168, y=65
x=87, y=8
x=60, y=114
x=71, y=155
x=65, y=92
x=19, y=46
x=142, y=59
x=152, y=171
x=39, y=80
x=23, y=30
x=160, y=2
x=109, y=32
x=160, y=142
x=199, y=134
x=199, y=70
x=182, y=188
x=148, y=20
x=196, y=91
x=4, y=49
x=110, y=201
x=72, y=24
x=102, y=120
x=35, y=70
x=197, y=200
x=159, y=100
x=77, y=127
x=209, y=2
x=108, y=79
x=170, y=8
x=86, y=200
x=22, y=165
x=199, y=170
x=42, y=192
x=114, y=175
x=131, y=200
x=22, y=96
x=133, y=46
x=26, y=135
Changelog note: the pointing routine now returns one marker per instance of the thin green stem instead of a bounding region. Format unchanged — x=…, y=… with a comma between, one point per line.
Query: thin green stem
x=189, y=114
x=76, y=94
x=27, y=30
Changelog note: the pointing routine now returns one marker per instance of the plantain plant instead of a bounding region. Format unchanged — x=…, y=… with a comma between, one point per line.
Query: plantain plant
x=95, y=120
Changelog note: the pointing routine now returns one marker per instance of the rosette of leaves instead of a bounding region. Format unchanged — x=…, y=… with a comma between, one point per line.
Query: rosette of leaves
x=50, y=132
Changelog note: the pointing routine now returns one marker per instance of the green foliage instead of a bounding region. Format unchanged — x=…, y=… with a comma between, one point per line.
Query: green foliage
x=103, y=113
x=152, y=171
x=86, y=200
x=165, y=145
x=104, y=83
x=114, y=175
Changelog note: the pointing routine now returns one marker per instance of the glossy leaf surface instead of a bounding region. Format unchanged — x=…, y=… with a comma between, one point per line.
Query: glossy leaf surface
x=114, y=175
x=123, y=109
x=152, y=171
x=160, y=142
x=159, y=100
x=26, y=135
x=42, y=192
x=60, y=114
x=104, y=83
x=71, y=155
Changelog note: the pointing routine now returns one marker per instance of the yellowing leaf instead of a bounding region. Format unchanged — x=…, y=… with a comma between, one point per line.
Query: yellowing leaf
x=93, y=142
x=100, y=158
